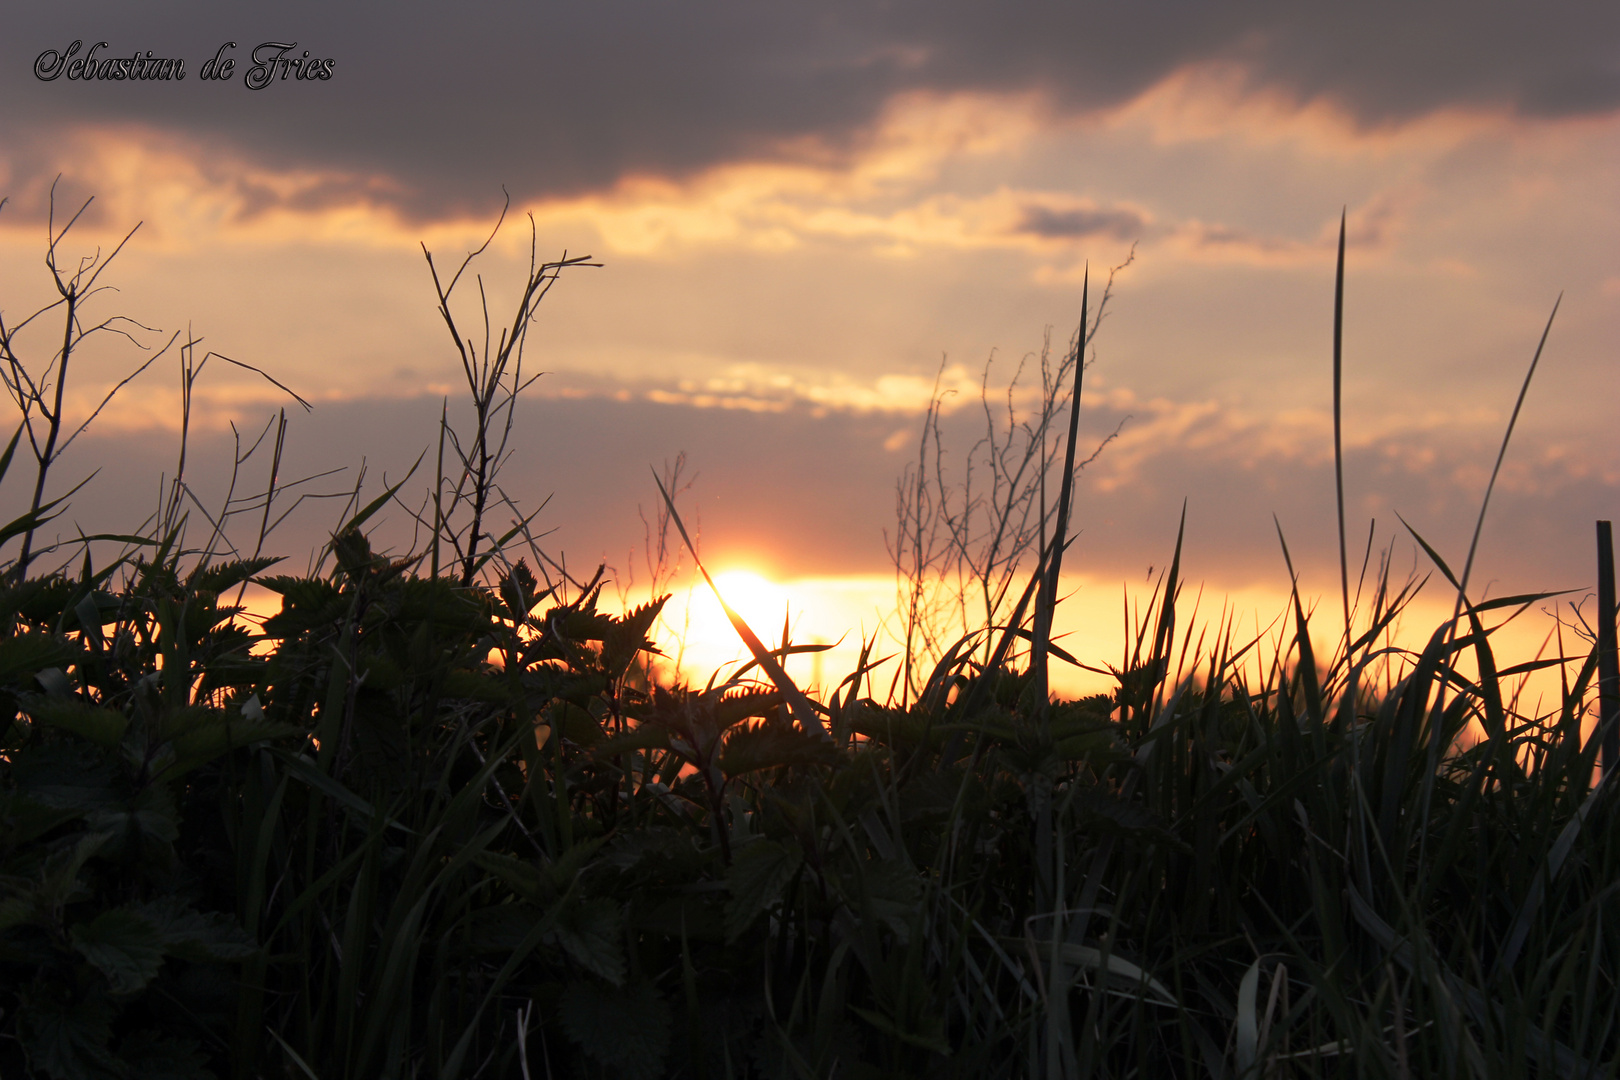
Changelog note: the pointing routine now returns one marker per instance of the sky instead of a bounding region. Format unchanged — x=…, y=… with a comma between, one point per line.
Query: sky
x=810, y=219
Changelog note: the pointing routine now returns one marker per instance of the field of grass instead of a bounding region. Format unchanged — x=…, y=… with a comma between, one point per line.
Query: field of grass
x=439, y=818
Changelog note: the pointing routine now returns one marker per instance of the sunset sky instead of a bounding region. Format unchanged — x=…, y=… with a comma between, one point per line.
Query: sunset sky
x=807, y=212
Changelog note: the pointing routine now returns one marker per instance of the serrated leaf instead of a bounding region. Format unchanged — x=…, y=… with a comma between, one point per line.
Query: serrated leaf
x=884, y=890
x=123, y=945
x=1086, y=744
x=195, y=935
x=227, y=575
x=104, y=727
x=23, y=819
x=41, y=600
x=592, y=932
x=67, y=1040
x=60, y=877
x=24, y=654
x=306, y=604
x=773, y=746
x=144, y=828
x=518, y=591
x=521, y=877
x=224, y=733
x=641, y=737
x=739, y=705
x=627, y=1030
x=628, y=636
x=69, y=777
x=758, y=873
x=148, y=830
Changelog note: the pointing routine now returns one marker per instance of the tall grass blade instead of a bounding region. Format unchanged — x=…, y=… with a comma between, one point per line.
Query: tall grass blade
x=1338, y=446
x=1484, y=503
x=1045, y=609
x=803, y=711
x=1608, y=651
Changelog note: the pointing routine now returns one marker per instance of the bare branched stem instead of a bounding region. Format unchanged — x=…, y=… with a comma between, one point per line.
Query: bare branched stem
x=494, y=377
x=961, y=539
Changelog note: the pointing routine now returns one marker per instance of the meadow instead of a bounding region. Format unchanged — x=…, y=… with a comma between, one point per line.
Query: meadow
x=441, y=815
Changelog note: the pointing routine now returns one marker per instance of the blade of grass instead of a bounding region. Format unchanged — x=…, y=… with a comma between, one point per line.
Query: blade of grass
x=803, y=711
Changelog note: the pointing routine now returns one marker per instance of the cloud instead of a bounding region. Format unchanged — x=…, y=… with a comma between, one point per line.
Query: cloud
x=429, y=105
x=1075, y=223
x=802, y=491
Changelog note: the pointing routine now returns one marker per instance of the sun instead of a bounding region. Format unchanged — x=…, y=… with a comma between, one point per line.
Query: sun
x=710, y=639
x=761, y=602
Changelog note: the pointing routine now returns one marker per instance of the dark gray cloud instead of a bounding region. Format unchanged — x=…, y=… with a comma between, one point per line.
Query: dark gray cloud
x=1051, y=223
x=448, y=103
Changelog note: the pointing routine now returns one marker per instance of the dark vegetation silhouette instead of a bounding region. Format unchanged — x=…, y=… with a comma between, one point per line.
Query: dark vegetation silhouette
x=440, y=817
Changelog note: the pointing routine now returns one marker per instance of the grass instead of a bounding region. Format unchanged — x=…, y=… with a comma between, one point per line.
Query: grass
x=434, y=818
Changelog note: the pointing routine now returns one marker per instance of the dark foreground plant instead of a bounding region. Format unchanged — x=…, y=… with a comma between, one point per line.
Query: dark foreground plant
x=442, y=826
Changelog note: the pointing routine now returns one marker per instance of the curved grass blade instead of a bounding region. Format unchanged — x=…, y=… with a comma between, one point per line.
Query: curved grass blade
x=803, y=711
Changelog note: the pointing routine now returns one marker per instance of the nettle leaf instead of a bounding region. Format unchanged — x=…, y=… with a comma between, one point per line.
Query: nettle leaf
x=1090, y=744
x=759, y=872
x=24, y=654
x=1083, y=728
x=176, y=720
x=60, y=877
x=23, y=819
x=40, y=600
x=146, y=827
x=580, y=623
x=68, y=777
x=567, y=866
x=104, y=727
x=627, y=1030
x=227, y=575
x=641, y=737
x=523, y=878
x=67, y=1040
x=123, y=945
x=306, y=604
x=891, y=726
x=518, y=590
x=592, y=933
x=195, y=935
x=739, y=705
x=884, y=890
x=222, y=733
x=772, y=746
x=628, y=636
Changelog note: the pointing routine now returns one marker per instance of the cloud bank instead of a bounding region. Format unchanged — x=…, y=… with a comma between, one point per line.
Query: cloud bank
x=427, y=103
